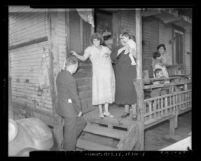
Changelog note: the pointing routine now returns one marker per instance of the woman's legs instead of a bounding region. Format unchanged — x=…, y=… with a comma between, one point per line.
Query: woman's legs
x=100, y=110
x=106, y=113
x=106, y=108
x=126, y=108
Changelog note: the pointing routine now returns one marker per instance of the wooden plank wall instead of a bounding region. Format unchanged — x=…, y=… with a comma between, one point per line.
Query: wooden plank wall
x=24, y=27
x=127, y=18
x=150, y=37
x=26, y=61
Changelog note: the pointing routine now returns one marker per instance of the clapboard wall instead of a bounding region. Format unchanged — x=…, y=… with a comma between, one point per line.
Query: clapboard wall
x=127, y=21
x=150, y=38
x=28, y=43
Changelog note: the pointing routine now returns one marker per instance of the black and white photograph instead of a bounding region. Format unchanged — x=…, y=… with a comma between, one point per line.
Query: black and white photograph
x=99, y=79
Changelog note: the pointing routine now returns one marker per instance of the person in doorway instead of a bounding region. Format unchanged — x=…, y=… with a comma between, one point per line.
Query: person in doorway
x=103, y=79
x=125, y=76
x=68, y=104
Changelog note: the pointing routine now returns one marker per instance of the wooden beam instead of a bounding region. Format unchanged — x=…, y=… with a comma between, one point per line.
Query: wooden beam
x=139, y=81
x=67, y=31
x=105, y=131
x=92, y=146
x=10, y=106
x=172, y=20
x=31, y=42
x=152, y=12
x=51, y=57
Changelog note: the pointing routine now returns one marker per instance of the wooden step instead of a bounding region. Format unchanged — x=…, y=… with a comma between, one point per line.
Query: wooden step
x=91, y=146
x=109, y=122
x=104, y=131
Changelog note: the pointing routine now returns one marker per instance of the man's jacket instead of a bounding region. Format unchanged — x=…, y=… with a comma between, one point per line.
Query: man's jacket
x=67, y=102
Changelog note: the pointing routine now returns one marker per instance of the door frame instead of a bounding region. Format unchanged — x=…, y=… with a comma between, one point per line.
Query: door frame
x=178, y=31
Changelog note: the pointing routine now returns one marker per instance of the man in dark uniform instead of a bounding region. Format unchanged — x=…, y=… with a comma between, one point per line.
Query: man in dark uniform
x=68, y=104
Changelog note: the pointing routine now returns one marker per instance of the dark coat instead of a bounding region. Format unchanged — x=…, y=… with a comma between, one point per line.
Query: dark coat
x=68, y=101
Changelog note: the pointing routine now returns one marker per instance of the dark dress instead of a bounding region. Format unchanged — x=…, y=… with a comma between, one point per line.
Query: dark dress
x=125, y=74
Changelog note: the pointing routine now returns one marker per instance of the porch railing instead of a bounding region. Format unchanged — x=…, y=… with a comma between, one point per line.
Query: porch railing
x=157, y=108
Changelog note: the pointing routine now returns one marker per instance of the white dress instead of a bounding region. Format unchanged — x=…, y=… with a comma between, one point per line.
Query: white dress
x=103, y=79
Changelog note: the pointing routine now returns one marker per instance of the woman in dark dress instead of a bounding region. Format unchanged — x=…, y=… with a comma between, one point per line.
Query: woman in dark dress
x=125, y=74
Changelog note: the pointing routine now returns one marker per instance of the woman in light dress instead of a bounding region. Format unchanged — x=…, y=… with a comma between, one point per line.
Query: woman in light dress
x=159, y=60
x=103, y=79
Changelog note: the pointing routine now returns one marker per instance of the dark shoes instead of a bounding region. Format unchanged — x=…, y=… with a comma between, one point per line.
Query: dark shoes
x=125, y=114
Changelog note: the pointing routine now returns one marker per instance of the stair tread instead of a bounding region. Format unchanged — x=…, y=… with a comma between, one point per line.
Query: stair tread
x=104, y=131
x=91, y=146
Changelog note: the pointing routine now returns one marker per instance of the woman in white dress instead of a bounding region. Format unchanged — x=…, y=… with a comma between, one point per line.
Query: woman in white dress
x=103, y=79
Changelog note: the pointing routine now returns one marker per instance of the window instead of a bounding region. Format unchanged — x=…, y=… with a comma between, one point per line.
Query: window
x=178, y=47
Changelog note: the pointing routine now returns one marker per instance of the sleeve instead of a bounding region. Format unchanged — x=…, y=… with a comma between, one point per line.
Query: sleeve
x=107, y=50
x=87, y=52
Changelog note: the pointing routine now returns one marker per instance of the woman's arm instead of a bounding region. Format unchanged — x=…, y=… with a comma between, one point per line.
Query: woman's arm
x=80, y=57
x=120, y=50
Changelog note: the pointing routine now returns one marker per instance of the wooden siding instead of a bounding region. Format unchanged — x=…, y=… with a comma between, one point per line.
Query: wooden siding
x=24, y=27
x=25, y=72
x=150, y=36
x=127, y=21
x=25, y=59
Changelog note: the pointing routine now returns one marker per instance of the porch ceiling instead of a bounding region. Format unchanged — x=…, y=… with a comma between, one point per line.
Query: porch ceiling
x=168, y=16
x=171, y=19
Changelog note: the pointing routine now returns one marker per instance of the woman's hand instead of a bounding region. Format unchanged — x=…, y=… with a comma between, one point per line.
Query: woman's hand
x=74, y=53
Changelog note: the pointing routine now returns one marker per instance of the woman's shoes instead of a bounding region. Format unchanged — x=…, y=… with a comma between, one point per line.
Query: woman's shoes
x=108, y=114
x=101, y=115
x=125, y=114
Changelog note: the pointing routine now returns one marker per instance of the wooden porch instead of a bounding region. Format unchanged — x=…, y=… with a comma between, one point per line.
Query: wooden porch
x=122, y=133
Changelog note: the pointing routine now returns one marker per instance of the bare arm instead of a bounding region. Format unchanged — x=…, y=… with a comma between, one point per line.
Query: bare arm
x=80, y=57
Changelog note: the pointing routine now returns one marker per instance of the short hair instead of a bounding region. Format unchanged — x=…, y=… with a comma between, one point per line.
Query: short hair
x=70, y=60
x=156, y=55
x=107, y=37
x=156, y=71
x=97, y=36
x=126, y=34
x=161, y=45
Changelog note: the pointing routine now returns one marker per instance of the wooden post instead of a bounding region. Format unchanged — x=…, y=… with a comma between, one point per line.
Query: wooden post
x=57, y=131
x=139, y=82
x=51, y=65
x=67, y=31
x=10, y=99
x=93, y=28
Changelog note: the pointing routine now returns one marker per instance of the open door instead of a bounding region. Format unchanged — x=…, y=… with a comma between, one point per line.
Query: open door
x=79, y=39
